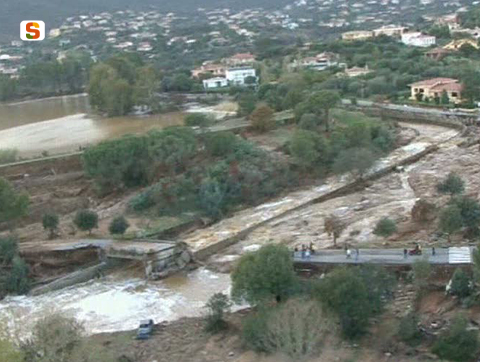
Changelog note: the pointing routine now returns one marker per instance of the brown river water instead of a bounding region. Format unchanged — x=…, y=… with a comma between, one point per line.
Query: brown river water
x=63, y=124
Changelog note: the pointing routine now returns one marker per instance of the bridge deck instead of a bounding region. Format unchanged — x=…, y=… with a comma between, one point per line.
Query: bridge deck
x=443, y=256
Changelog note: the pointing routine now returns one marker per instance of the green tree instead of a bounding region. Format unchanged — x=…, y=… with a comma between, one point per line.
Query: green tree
x=385, y=227
x=344, y=292
x=461, y=284
x=14, y=204
x=309, y=122
x=217, y=306
x=8, y=249
x=246, y=103
x=457, y=343
x=264, y=275
x=356, y=161
x=452, y=184
x=320, y=104
x=86, y=220
x=18, y=281
x=451, y=220
x=221, y=143
x=471, y=85
x=262, y=118
x=197, y=120
x=408, y=330
x=309, y=149
x=469, y=211
x=118, y=226
x=212, y=198
x=50, y=222
x=444, y=99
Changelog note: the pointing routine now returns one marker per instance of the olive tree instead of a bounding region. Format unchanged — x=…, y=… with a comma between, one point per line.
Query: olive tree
x=86, y=220
x=264, y=275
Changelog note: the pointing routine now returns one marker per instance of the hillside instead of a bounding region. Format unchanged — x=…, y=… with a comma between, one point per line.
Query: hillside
x=12, y=12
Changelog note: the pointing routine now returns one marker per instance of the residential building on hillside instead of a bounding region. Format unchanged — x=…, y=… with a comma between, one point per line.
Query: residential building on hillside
x=357, y=71
x=215, y=83
x=357, y=35
x=238, y=76
x=321, y=61
x=418, y=39
x=208, y=68
x=390, y=30
x=432, y=88
x=240, y=59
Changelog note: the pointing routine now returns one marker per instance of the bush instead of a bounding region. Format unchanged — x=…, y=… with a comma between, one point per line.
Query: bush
x=295, y=328
x=17, y=281
x=408, y=330
x=345, y=292
x=86, y=220
x=8, y=156
x=309, y=122
x=461, y=284
x=309, y=149
x=356, y=161
x=142, y=201
x=118, y=226
x=50, y=222
x=13, y=204
x=197, y=120
x=8, y=249
x=262, y=118
x=457, y=343
x=221, y=144
x=385, y=227
x=451, y=220
x=264, y=275
x=217, y=306
x=452, y=185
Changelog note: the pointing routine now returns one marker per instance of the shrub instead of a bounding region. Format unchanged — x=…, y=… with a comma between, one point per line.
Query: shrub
x=310, y=149
x=221, y=144
x=356, y=161
x=345, y=293
x=8, y=156
x=8, y=249
x=452, y=185
x=118, y=226
x=408, y=330
x=50, y=222
x=309, y=122
x=197, y=120
x=17, y=281
x=264, y=275
x=142, y=201
x=262, y=118
x=13, y=204
x=295, y=328
x=86, y=220
x=457, y=343
x=385, y=227
x=469, y=211
x=217, y=306
x=461, y=284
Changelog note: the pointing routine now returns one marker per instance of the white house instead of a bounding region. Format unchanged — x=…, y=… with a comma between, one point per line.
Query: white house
x=237, y=76
x=417, y=39
x=214, y=83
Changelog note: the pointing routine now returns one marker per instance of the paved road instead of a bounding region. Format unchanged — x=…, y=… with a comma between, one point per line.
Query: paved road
x=443, y=256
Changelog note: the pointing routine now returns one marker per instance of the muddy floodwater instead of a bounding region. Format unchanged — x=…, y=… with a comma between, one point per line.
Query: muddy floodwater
x=63, y=124
x=110, y=304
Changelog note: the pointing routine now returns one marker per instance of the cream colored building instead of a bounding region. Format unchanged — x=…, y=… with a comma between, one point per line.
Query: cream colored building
x=432, y=88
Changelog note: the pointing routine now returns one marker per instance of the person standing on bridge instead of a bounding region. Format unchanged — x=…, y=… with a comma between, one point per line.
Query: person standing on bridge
x=405, y=253
x=433, y=251
x=357, y=254
x=349, y=253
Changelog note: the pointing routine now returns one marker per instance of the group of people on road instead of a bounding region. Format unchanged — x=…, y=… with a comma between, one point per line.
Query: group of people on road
x=306, y=251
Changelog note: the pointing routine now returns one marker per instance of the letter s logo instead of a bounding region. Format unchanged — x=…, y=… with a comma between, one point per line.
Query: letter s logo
x=32, y=30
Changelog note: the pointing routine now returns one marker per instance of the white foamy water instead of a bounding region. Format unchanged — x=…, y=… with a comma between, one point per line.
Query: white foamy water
x=111, y=305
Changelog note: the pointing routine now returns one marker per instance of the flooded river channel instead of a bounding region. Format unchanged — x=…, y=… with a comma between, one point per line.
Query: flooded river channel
x=63, y=124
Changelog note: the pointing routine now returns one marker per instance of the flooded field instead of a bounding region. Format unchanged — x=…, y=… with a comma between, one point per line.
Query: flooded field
x=64, y=124
x=114, y=305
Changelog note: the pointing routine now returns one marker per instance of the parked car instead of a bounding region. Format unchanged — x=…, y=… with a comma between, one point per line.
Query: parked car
x=145, y=329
